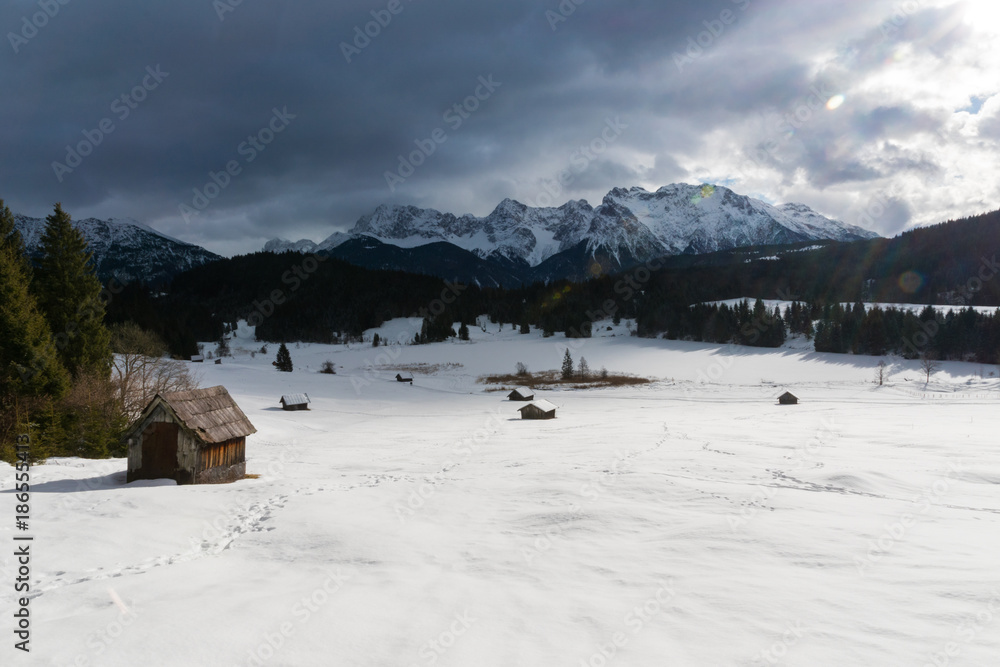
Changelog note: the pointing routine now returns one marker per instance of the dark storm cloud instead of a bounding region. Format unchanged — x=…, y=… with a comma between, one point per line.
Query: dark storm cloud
x=224, y=77
x=562, y=71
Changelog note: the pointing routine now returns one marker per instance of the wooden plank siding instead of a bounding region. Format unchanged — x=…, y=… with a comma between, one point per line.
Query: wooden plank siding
x=223, y=454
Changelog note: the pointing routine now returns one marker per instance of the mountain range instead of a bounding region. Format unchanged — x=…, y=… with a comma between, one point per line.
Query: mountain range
x=517, y=243
x=124, y=249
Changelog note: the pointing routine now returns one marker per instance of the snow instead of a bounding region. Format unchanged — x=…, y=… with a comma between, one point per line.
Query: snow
x=692, y=521
x=667, y=221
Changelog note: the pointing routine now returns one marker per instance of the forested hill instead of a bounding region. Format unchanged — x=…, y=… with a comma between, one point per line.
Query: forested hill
x=951, y=263
x=288, y=297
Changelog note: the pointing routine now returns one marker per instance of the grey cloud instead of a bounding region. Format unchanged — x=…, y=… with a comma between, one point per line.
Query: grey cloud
x=354, y=119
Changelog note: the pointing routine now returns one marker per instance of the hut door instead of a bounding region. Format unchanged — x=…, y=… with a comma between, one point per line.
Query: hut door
x=159, y=451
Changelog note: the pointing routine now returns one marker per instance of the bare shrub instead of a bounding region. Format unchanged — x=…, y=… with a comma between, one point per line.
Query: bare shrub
x=140, y=370
x=881, y=372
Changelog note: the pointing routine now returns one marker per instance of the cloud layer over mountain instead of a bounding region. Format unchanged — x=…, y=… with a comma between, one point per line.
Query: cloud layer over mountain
x=286, y=118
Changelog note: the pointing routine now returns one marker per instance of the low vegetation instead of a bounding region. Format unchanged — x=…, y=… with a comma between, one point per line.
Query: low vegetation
x=419, y=369
x=554, y=378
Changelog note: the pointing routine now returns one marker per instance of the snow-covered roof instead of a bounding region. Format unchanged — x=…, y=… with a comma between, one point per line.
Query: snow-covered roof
x=525, y=392
x=295, y=399
x=542, y=405
x=405, y=376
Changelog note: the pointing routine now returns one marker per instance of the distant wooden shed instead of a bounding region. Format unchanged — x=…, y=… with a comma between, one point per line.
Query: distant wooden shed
x=193, y=437
x=521, y=394
x=404, y=377
x=292, y=402
x=197, y=359
x=788, y=399
x=538, y=410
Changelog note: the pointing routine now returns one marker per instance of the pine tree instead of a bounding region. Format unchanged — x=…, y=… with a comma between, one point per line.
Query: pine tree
x=222, y=347
x=69, y=295
x=583, y=369
x=29, y=365
x=463, y=332
x=10, y=239
x=376, y=340
x=567, y=366
x=284, y=360
x=525, y=327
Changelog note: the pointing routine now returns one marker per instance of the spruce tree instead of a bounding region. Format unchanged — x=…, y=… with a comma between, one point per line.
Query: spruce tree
x=222, y=347
x=29, y=365
x=567, y=366
x=69, y=295
x=463, y=332
x=284, y=360
x=10, y=238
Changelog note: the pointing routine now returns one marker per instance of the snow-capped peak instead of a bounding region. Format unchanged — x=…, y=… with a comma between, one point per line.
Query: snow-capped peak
x=677, y=218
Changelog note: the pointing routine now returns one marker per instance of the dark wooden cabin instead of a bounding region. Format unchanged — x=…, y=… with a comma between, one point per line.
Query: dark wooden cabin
x=293, y=402
x=193, y=437
x=521, y=394
x=404, y=377
x=788, y=399
x=538, y=410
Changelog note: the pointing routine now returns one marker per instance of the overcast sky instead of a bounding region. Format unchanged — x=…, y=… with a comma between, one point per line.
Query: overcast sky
x=890, y=108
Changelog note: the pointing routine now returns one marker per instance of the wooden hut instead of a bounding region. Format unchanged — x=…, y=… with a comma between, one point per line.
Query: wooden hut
x=197, y=359
x=404, y=377
x=193, y=437
x=538, y=410
x=521, y=394
x=293, y=402
x=788, y=399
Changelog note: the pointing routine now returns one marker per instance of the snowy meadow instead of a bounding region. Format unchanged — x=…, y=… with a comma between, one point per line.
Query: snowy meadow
x=688, y=521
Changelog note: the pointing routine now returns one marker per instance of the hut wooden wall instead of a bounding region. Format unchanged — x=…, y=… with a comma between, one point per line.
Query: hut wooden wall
x=223, y=454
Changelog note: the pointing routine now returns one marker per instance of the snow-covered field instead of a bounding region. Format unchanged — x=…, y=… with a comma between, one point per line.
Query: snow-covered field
x=692, y=521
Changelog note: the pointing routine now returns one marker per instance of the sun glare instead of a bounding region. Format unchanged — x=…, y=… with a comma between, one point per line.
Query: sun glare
x=983, y=15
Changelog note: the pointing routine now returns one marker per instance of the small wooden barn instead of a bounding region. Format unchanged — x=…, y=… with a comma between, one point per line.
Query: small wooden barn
x=293, y=402
x=521, y=394
x=197, y=359
x=193, y=437
x=788, y=399
x=538, y=410
x=404, y=377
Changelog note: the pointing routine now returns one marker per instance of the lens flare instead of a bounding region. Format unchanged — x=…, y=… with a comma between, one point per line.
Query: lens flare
x=911, y=282
x=835, y=102
x=706, y=192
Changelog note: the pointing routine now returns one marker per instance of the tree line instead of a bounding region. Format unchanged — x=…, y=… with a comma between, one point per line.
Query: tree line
x=59, y=379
